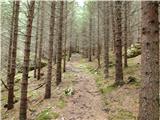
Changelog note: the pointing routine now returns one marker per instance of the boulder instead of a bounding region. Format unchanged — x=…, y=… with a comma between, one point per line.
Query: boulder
x=134, y=50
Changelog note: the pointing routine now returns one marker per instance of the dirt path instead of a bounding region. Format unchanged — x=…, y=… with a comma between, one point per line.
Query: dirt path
x=86, y=103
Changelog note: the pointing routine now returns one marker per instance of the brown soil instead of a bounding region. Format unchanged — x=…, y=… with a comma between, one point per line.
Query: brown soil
x=86, y=103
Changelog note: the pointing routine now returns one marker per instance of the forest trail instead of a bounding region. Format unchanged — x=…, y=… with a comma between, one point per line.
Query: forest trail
x=86, y=103
x=94, y=98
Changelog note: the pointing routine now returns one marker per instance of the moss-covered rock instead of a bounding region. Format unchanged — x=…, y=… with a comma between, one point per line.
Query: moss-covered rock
x=31, y=66
x=69, y=91
x=131, y=79
x=19, y=61
x=134, y=50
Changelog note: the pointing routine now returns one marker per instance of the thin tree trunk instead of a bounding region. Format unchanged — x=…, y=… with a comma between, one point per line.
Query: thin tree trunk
x=41, y=40
x=125, y=34
x=90, y=38
x=118, y=44
x=149, y=94
x=98, y=41
x=70, y=43
x=55, y=52
x=36, y=45
x=113, y=26
x=13, y=59
x=10, y=44
x=129, y=42
x=50, y=52
x=59, y=46
x=65, y=40
x=93, y=36
x=24, y=84
x=106, y=40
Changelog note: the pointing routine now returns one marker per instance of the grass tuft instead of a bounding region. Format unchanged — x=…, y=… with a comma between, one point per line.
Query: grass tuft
x=108, y=89
x=123, y=115
x=47, y=115
x=61, y=103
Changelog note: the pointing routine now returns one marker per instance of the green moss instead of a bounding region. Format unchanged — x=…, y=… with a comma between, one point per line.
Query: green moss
x=33, y=94
x=91, y=69
x=68, y=75
x=134, y=50
x=108, y=89
x=18, y=77
x=61, y=103
x=31, y=66
x=55, y=115
x=99, y=82
x=17, y=95
x=47, y=115
x=123, y=115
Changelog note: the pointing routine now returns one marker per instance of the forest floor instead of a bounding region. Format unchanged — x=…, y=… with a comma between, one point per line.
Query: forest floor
x=84, y=94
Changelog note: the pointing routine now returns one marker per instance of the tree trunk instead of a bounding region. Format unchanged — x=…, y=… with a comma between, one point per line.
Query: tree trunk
x=24, y=84
x=70, y=42
x=125, y=34
x=98, y=40
x=36, y=45
x=65, y=40
x=10, y=43
x=113, y=25
x=59, y=46
x=55, y=52
x=50, y=52
x=41, y=40
x=90, y=38
x=149, y=94
x=118, y=44
x=106, y=39
x=129, y=42
x=13, y=59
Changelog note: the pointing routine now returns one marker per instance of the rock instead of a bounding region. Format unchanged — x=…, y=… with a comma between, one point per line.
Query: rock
x=106, y=109
x=69, y=91
x=31, y=66
x=134, y=50
x=131, y=79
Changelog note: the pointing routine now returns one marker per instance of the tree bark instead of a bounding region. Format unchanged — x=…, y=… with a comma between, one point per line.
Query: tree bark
x=13, y=59
x=98, y=40
x=106, y=39
x=70, y=42
x=125, y=34
x=36, y=44
x=65, y=40
x=113, y=25
x=50, y=52
x=90, y=38
x=41, y=40
x=118, y=44
x=59, y=46
x=149, y=93
x=10, y=44
x=24, y=84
